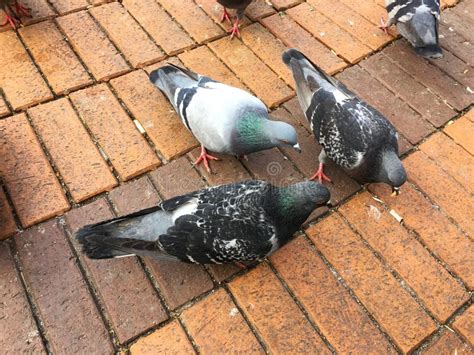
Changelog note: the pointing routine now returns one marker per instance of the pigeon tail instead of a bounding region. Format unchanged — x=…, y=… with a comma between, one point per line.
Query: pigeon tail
x=433, y=51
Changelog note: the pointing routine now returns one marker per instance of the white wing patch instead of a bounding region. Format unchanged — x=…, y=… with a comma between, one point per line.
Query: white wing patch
x=188, y=208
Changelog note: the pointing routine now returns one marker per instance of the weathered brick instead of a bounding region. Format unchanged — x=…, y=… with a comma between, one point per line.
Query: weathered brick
x=461, y=26
x=17, y=326
x=337, y=315
x=470, y=116
x=92, y=45
x=65, y=6
x=258, y=9
x=125, y=32
x=329, y=33
x=30, y=181
x=464, y=324
x=171, y=339
x=117, y=135
x=285, y=28
x=4, y=110
x=134, y=196
x=456, y=68
x=217, y=326
x=294, y=108
x=6, y=217
x=274, y=314
x=55, y=58
x=252, y=71
x=434, y=286
x=193, y=19
x=67, y=310
x=39, y=10
x=449, y=195
x=392, y=306
x=447, y=343
x=368, y=10
x=80, y=164
x=28, y=88
x=441, y=236
x=462, y=132
x=456, y=44
x=155, y=114
x=161, y=27
x=129, y=298
x=411, y=91
x=465, y=9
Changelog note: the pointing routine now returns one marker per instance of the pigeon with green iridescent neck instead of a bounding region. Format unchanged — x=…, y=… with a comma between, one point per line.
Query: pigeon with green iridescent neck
x=223, y=118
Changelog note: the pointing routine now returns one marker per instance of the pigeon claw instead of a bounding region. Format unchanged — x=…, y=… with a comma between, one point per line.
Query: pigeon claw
x=320, y=175
x=204, y=157
x=234, y=31
x=383, y=25
x=226, y=16
x=12, y=20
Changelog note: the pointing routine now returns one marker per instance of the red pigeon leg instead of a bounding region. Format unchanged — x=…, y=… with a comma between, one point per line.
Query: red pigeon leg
x=204, y=158
x=226, y=16
x=10, y=19
x=320, y=175
x=234, y=31
x=383, y=25
x=21, y=10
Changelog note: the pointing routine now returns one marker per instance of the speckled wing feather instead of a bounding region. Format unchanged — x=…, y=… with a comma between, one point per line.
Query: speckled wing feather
x=403, y=10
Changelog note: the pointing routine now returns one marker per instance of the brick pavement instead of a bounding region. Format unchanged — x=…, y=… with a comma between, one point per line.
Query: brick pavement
x=84, y=136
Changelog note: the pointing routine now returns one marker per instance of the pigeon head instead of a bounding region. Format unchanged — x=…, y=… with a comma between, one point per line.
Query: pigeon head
x=391, y=170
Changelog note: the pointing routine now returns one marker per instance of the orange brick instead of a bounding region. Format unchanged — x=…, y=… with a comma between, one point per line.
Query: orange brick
x=337, y=315
x=440, y=235
x=284, y=4
x=127, y=149
x=56, y=59
x=274, y=314
x=4, y=110
x=333, y=36
x=367, y=10
x=392, y=306
x=154, y=112
x=31, y=183
x=433, y=284
x=470, y=115
x=448, y=194
x=462, y=132
x=464, y=324
x=171, y=339
x=65, y=6
x=28, y=88
x=166, y=33
x=252, y=71
x=92, y=45
x=125, y=32
x=217, y=326
x=352, y=22
x=193, y=19
x=80, y=164
x=285, y=28
x=6, y=217
x=447, y=343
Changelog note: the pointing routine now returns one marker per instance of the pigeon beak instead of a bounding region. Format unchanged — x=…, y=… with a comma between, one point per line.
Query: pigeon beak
x=395, y=191
x=297, y=147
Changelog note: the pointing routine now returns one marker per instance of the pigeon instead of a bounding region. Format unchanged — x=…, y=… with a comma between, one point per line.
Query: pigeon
x=223, y=119
x=234, y=223
x=352, y=134
x=240, y=6
x=13, y=11
x=417, y=21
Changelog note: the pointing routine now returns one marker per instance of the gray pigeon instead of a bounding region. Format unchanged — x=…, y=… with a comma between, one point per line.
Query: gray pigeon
x=352, y=134
x=417, y=21
x=237, y=223
x=240, y=6
x=13, y=10
x=223, y=119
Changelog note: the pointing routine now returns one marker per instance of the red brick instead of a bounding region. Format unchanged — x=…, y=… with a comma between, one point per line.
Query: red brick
x=214, y=11
x=171, y=339
x=392, y=306
x=65, y=6
x=252, y=71
x=449, y=195
x=368, y=10
x=295, y=36
x=217, y=326
x=329, y=33
x=67, y=310
x=258, y=9
x=115, y=132
x=193, y=19
x=464, y=324
x=451, y=158
x=17, y=326
x=441, y=236
x=30, y=181
x=434, y=286
x=161, y=27
x=4, y=110
x=155, y=114
x=456, y=44
x=418, y=96
x=92, y=45
x=129, y=298
x=430, y=76
x=352, y=22
x=274, y=314
x=39, y=10
x=125, y=32
x=340, y=319
x=28, y=88
x=6, y=217
x=447, y=343
x=462, y=132
x=55, y=58
x=294, y=108
x=284, y=4
x=456, y=68
x=460, y=25
x=80, y=164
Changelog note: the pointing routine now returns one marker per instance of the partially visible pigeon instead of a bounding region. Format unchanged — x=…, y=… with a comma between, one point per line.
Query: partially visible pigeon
x=240, y=6
x=353, y=134
x=13, y=10
x=236, y=223
x=417, y=21
x=223, y=119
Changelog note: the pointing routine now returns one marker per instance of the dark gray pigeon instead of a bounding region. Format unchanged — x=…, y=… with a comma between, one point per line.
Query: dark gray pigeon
x=237, y=223
x=223, y=119
x=240, y=6
x=13, y=10
x=352, y=134
x=417, y=21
